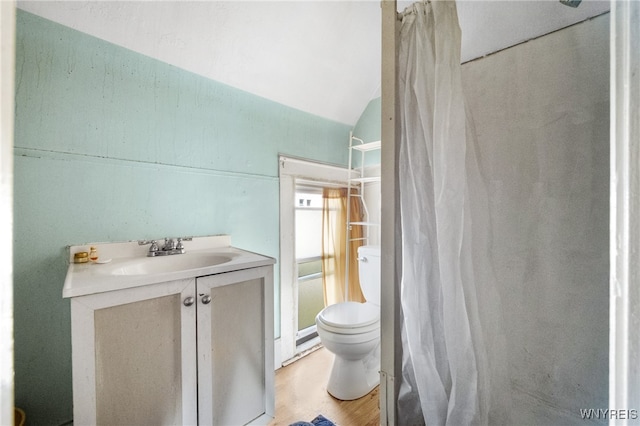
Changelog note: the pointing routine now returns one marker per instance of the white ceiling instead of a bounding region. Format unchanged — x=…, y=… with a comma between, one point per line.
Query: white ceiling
x=322, y=57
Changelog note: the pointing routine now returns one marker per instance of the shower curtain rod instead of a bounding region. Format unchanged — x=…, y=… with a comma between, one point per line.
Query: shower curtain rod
x=409, y=10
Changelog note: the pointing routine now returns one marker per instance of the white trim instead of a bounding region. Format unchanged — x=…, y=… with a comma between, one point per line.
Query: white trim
x=277, y=354
x=291, y=170
x=288, y=298
x=307, y=185
x=624, y=242
x=309, y=170
x=7, y=69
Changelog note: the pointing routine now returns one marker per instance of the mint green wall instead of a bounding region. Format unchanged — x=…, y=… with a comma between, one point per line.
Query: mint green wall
x=111, y=145
x=368, y=129
x=368, y=126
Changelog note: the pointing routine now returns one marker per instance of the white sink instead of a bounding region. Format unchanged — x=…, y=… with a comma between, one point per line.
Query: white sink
x=130, y=267
x=164, y=264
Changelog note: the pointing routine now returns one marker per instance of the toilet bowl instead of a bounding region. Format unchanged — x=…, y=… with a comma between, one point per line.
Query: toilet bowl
x=351, y=331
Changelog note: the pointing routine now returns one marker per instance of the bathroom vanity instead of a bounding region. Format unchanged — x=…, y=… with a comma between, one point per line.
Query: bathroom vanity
x=185, y=339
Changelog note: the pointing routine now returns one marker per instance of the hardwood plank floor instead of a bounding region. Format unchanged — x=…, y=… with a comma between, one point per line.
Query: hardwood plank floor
x=301, y=394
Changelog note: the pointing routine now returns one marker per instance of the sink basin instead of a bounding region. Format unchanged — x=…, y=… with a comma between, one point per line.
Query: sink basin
x=129, y=267
x=164, y=264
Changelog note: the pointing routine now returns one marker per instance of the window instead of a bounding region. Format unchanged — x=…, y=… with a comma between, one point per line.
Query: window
x=308, y=237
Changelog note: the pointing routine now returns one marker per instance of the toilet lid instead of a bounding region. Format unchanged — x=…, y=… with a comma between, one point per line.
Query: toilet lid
x=350, y=315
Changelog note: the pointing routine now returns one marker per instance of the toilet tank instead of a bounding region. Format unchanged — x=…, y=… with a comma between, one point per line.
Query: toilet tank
x=369, y=272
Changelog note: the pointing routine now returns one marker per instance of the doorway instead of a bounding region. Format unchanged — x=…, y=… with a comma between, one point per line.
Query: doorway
x=301, y=296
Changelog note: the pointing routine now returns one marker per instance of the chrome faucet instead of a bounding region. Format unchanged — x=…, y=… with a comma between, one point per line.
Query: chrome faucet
x=171, y=246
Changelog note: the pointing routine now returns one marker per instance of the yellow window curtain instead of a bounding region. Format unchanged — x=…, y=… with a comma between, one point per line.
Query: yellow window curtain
x=334, y=246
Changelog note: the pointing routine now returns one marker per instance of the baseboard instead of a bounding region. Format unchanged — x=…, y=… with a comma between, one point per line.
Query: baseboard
x=314, y=346
x=304, y=349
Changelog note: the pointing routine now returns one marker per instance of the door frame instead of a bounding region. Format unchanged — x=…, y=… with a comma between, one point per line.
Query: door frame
x=290, y=170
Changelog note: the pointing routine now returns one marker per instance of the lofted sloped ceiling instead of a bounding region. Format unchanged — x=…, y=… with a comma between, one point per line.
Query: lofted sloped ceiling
x=322, y=57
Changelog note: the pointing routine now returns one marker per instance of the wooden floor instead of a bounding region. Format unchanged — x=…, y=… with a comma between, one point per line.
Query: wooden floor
x=301, y=394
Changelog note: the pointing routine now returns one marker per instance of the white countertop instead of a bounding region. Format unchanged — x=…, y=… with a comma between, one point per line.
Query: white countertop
x=134, y=269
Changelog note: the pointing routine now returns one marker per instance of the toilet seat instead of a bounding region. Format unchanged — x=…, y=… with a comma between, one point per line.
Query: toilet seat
x=350, y=318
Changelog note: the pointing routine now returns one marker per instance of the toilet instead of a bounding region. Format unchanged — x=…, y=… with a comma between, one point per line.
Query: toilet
x=351, y=331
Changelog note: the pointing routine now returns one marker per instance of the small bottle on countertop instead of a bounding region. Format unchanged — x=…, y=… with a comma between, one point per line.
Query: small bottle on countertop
x=93, y=254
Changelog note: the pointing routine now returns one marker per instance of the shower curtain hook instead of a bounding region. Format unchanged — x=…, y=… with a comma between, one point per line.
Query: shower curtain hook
x=425, y=3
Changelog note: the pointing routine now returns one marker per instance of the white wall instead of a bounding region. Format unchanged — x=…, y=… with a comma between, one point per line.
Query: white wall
x=541, y=111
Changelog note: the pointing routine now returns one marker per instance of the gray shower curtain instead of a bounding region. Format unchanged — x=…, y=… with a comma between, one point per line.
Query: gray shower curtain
x=454, y=368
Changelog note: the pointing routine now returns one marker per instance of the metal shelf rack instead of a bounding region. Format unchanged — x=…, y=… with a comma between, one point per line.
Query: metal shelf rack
x=357, y=183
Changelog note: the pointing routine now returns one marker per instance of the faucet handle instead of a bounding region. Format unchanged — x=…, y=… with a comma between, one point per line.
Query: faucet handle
x=180, y=246
x=154, y=245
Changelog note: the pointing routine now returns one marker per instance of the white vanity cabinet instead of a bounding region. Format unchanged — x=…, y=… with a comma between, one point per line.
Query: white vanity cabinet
x=197, y=350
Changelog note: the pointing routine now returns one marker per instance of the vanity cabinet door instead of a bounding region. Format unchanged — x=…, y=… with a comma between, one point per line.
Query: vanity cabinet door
x=134, y=358
x=235, y=347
